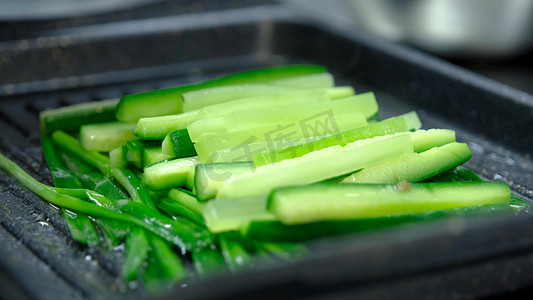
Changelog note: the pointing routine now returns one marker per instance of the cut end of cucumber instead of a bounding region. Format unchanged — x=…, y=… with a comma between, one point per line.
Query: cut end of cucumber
x=105, y=137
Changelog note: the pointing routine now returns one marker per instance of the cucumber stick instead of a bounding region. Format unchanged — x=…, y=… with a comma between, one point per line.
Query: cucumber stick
x=154, y=155
x=169, y=101
x=401, y=123
x=71, y=118
x=215, y=95
x=232, y=213
x=275, y=135
x=159, y=127
x=274, y=99
x=170, y=174
x=276, y=231
x=246, y=153
x=105, y=137
x=304, y=115
x=414, y=167
x=209, y=177
x=178, y=144
x=316, y=166
x=323, y=202
x=319, y=80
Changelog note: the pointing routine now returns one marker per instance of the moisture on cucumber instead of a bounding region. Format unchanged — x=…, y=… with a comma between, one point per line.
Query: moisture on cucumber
x=168, y=101
x=300, y=205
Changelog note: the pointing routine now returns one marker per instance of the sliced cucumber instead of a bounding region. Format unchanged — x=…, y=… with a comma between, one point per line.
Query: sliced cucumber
x=311, y=81
x=178, y=144
x=316, y=166
x=156, y=128
x=169, y=174
x=306, y=116
x=276, y=135
x=221, y=94
x=154, y=155
x=232, y=213
x=71, y=118
x=414, y=167
x=105, y=137
x=159, y=127
x=169, y=101
x=209, y=177
x=117, y=159
x=323, y=202
x=246, y=153
x=401, y=123
x=275, y=231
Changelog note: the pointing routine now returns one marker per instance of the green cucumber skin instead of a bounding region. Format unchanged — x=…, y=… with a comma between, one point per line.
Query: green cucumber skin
x=182, y=144
x=168, y=101
x=159, y=127
x=317, y=166
x=71, y=118
x=389, y=126
x=298, y=205
x=208, y=145
x=414, y=167
x=275, y=231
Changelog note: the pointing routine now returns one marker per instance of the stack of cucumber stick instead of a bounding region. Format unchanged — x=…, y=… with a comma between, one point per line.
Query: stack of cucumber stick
x=246, y=168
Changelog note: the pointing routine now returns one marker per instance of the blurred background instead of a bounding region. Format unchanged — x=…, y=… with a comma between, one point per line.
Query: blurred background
x=491, y=37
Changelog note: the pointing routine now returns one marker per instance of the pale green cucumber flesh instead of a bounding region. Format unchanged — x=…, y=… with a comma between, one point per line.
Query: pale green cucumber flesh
x=275, y=135
x=105, y=137
x=311, y=81
x=232, y=213
x=261, y=100
x=154, y=155
x=169, y=174
x=389, y=126
x=209, y=177
x=323, y=202
x=168, y=101
x=239, y=153
x=303, y=114
x=414, y=167
x=197, y=99
x=116, y=158
x=315, y=166
x=156, y=128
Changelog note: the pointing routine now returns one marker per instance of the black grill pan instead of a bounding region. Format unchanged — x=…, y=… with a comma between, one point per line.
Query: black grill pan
x=459, y=258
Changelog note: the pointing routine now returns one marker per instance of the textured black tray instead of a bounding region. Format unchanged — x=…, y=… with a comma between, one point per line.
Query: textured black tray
x=451, y=259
